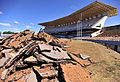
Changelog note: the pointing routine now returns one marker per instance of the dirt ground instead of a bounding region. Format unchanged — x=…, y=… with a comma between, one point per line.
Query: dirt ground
x=108, y=67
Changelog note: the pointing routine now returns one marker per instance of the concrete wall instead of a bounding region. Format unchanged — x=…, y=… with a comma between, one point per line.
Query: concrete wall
x=118, y=49
x=111, y=46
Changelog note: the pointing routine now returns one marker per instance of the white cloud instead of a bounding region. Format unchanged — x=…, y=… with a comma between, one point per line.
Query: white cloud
x=22, y=30
x=16, y=29
x=5, y=24
x=16, y=22
x=28, y=27
x=1, y=12
x=32, y=23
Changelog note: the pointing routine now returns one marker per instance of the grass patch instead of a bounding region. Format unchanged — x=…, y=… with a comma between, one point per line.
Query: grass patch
x=106, y=76
x=110, y=69
x=106, y=63
x=117, y=64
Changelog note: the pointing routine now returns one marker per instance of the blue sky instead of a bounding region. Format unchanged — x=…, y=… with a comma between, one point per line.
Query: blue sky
x=18, y=15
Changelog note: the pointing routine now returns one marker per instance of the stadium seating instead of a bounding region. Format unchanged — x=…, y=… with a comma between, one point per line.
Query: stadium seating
x=111, y=33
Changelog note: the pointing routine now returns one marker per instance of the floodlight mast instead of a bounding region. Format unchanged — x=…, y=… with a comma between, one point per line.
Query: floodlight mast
x=81, y=26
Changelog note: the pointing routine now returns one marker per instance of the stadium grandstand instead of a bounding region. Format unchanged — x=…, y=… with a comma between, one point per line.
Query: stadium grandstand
x=86, y=22
x=111, y=31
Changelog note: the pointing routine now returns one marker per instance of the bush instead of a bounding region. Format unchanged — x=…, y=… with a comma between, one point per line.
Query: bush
x=8, y=32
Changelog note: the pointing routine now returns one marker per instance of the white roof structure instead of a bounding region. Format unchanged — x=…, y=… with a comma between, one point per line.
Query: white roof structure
x=95, y=8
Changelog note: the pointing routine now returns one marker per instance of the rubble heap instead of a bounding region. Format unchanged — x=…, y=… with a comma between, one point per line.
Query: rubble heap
x=30, y=57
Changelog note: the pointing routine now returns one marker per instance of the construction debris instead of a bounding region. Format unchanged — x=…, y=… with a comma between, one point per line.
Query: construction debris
x=29, y=57
x=83, y=56
x=78, y=74
x=3, y=76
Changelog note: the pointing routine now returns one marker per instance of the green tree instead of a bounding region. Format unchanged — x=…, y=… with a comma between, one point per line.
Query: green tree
x=8, y=32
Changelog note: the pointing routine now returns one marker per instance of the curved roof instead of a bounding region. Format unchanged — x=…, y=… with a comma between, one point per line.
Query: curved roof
x=91, y=10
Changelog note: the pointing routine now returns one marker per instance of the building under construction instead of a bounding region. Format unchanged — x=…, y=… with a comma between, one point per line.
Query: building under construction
x=87, y=21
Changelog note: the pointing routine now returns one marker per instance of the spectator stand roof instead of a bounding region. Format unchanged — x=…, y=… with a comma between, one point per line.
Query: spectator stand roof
x=93, y=9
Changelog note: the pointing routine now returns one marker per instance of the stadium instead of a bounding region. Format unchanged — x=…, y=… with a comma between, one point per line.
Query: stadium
x=86, y=22
x=109, y=31
x=81, y=47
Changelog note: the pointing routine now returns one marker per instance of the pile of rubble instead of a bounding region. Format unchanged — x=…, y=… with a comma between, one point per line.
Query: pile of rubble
x=30, y=57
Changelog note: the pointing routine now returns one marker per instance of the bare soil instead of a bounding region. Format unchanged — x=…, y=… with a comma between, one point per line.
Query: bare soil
x=108, y=67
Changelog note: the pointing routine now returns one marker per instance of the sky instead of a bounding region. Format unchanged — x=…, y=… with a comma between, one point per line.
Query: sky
x=18, y=15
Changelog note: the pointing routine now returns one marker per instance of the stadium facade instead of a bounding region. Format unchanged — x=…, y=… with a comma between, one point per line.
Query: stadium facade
x=87, y=21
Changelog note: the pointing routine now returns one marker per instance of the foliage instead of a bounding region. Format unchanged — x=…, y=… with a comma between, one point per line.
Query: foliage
x=8, y=32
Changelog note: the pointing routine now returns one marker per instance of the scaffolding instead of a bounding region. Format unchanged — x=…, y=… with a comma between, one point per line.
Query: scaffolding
x=79, y=27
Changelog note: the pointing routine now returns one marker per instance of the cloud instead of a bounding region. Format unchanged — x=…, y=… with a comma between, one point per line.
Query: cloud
x=31, y=23
x=22, y=30
x=5, y=24
x=1, y=12
x=16, y=22
x=16, y=29
x=28, y=27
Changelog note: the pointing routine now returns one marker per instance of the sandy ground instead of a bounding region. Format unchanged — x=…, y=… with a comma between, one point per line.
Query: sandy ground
x=108, y=67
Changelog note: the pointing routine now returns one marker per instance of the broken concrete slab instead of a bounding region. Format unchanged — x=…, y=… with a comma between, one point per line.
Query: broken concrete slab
x=18, y=75
x=12, y=55
x=32, y=77
x=31, y=58
x=4, y=61
x=16, y=35
x=21, y=39
x=28, y=32
x=44, y=68
x=66, y=46
x=55, y=48
x=44, y=36
x=5, y=47
x=84, y=56
x=14, y=44
x=4, y=73
x=24, y=78
x=5, y=43
x=43, y=58
x=19, y=54
x=74, y=73
x=48, y=74
x=7, y=50
x=54, y=43
x=83, y=63
x=45, y=47
x=24, y=73
x=93, y=61
x=54, y=55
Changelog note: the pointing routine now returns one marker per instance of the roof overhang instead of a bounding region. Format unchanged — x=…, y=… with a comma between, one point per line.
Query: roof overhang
x=91, y=10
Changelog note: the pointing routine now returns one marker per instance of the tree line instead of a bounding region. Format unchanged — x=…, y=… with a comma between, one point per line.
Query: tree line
x=8, y=32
